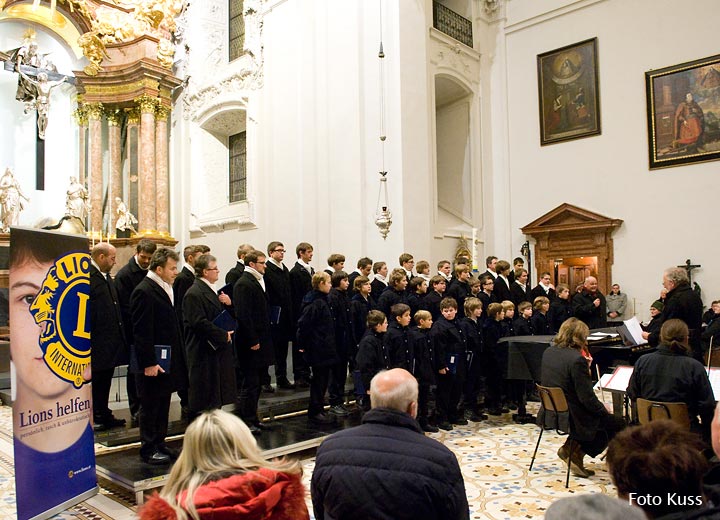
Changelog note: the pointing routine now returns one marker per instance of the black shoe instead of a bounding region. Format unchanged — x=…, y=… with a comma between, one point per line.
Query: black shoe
x=301, y=383
x=156, y=459
x=460, y=421
x=445, y=426
x=100, y=427
x=523, y=418
x=285, y=384
x=321, y=418
x=267, y=389
x=429, y=428
x=135, y=420
x=495, y=411
x=339, y=410
x=477, y=417
x=170, y=452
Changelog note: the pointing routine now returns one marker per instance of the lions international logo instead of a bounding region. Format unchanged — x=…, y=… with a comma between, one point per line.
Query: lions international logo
x=61, y=309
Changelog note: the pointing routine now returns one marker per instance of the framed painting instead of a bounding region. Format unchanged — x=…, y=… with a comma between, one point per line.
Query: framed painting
x=683, y=111
x=568, y=92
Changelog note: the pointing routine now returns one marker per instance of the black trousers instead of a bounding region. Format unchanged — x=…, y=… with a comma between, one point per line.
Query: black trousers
x=101, y=382
x=609, y=427
x=301, y=370
x=318, y=387
x=280, y=344
x=133, y=393
x=447, y=398
x=155, y=400
x=247, y=405
x=423, y=397
x=338, y=376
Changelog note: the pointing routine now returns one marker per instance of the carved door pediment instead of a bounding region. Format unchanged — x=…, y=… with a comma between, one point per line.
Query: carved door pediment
x=570, y=232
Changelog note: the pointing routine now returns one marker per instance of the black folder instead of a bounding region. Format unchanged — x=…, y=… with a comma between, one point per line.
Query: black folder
x=225, y=321
x=163, y=354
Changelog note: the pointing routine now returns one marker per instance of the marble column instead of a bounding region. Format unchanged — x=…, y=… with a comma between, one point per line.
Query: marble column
x=81, y=119
x=95, y=186
x=132, y=154
x=161, y=168
x=146, y=190
x=114, y=117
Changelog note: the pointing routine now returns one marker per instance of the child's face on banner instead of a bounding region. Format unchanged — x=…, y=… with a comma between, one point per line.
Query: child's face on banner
x=31, y=370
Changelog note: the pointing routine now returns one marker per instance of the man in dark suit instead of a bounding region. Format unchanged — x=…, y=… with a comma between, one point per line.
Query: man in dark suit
x=282, y=321
x=253, y=340
x=379, y=282
x=300, y=284
x=107, y=340
x=210, y=357
x=491, y=265
x=501, y=290
x=128, y=277
x=183, y=281
x=544, y=288
x=589, y=305
x=236, y=272
x=155, y=323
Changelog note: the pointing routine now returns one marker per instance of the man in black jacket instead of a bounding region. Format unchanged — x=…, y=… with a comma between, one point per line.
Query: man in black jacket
x=282, y=320
x=253, y=341
x=300, y=285
x=107, y=340
x=386, y=467
x=236, y=272
x=682, y=303
x=155, y=323
x=127, y=278
x=589, y=305
x=210, y=358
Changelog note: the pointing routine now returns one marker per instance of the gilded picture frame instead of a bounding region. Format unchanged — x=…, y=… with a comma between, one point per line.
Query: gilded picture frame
x=568, y=92
x=683, y=112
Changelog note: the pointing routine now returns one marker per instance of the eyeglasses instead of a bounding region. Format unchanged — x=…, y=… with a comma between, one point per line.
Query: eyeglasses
x=260, y=262
x=212, y=269
x=278, y=250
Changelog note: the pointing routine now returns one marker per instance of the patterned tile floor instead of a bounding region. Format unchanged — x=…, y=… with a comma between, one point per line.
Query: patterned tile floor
x=494, y=456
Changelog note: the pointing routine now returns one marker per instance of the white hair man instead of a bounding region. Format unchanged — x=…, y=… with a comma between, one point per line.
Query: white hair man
x=386, y=467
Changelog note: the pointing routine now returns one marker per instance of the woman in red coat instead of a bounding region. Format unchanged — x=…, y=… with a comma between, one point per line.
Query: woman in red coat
x=221, y=474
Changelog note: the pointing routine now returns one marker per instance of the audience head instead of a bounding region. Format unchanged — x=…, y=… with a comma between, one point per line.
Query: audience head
x=406, y=261
x=573, y=333
x=417, y=285
x=462, y=272
x=256, y=260
x=674, y=277
x=203, y=263
x=487, y=282
x=396, y=389
x=190, y=254
x=444, y=267
x=422, y=316
x=359, y=282
x=524, y=306
x=471, y=305
x=546, y=277
x=674, y=334
x=438, y=283
x=656, y=308
x=422, y=267
x=162, y=258
x=521, y=275
x=518, y=262
x=593, y=506
x=660, y=459
x=615, y=289
x=491, y=263
x=563, y=291
x=216, y=444
x=715, y=306
x=104, y=255
x=590, y=284
x=494, y=310
x=540, y=301
x=398, y=280
x=144, y=252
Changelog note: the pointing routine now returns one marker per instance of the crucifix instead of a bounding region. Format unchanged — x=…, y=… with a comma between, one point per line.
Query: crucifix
x=37, y=76
x=689, y=266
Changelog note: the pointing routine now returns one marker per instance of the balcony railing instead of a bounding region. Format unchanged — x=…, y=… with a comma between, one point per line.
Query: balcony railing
x=449, y=22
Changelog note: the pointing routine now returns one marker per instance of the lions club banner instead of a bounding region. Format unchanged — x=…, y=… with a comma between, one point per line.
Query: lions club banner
x=50, y=352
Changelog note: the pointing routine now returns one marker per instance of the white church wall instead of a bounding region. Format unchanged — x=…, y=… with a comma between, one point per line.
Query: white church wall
x=668, y=214
x=314, y=162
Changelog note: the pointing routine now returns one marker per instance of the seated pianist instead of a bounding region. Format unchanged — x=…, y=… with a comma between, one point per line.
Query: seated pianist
x=671, y=375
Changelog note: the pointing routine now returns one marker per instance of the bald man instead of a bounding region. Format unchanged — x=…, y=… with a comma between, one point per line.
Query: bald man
x=589, y=305
x=107, y=339
x=386, y=467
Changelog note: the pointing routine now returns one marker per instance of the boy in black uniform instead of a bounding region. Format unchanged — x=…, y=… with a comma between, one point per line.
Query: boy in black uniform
x=492, y=332
x=523, y=323
x=397, y=342
x=451, y=347
x=417, y=290
x=540, y=322
x=345, y=343
x=372, y=356
x=395, y=293
x=431, y=302
x=422, y=344
x=472, y=325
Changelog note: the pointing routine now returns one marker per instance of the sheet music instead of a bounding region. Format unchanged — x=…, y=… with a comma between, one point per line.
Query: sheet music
x=620, y=379
x=635, y=330
x=714, y=376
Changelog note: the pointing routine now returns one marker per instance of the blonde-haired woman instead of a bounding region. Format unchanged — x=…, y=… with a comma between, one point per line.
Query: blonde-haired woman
x=221, y=473
x=591, y=425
